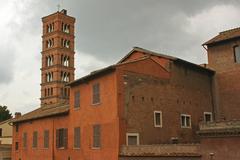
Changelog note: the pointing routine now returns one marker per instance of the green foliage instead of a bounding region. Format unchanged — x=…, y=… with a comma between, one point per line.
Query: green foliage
x=4, y=113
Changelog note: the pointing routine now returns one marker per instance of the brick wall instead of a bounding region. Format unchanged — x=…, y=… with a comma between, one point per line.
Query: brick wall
x=221, y=59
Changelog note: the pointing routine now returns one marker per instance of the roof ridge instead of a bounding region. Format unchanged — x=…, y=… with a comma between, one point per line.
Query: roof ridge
x=229, y=30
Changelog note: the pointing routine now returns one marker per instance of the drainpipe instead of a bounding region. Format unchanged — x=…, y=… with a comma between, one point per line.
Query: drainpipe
x=53, y=156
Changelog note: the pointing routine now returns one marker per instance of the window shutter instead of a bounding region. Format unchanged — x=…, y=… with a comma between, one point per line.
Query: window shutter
x=46, y=138
x=96, y=136
x=96, y=93
x=77, y=99
x=65, y=138
x=77, y=137
x=57, y=138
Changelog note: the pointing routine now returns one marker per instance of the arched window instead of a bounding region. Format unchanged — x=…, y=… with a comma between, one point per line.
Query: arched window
x=65, y=61
x=50, y=28
x=65, y=77
x=49, y=60
x=65, y=28
x=49, y=77
x=237, y=54
x=65, y=43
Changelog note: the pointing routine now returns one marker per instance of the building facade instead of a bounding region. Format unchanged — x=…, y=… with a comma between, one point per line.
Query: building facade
x=145, y=104
x=5, y=140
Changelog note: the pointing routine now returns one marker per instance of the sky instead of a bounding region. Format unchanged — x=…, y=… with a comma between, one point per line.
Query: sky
x=106, y=30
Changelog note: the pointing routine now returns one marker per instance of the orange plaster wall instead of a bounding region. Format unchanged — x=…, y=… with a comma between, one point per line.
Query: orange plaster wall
x=104, y=114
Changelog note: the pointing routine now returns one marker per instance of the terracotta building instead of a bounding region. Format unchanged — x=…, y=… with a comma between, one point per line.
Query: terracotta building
x=146, y=106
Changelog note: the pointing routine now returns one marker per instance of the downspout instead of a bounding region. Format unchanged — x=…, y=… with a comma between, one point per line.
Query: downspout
x=53, y=156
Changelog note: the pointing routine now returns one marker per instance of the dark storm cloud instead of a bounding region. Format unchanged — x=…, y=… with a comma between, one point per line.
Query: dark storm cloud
x=108, y=29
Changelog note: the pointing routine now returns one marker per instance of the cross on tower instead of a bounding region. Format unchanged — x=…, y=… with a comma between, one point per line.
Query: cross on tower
x=58, y=6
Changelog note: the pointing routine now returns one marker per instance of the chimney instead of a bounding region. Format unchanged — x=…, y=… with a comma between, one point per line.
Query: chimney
x=17, y=114
x=64, y=11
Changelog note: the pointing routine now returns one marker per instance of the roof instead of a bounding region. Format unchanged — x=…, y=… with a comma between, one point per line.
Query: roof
x=175, y=59
x=6, y=121
x=43, y=112
x=148, y=52
x=111, y=68
x=220, y=129
x=161, y=150
x=225, y=35
x=92, y=75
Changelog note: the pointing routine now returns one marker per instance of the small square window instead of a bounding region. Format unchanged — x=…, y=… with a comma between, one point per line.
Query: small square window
x=207, y=116
x=157, y=119
x=185, y=121
x=132, y=139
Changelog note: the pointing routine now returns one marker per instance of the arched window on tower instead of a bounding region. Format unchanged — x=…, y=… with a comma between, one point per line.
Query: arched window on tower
x=50, y=28
x=50, y=60
x=65, y=61
x=50, y=43
x=49, y=77
x=65, y=43
x=65, y=28
x=236, y=54
x=65, y=77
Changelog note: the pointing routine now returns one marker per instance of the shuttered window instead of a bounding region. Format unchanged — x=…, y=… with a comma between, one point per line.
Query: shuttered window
x=96, y=136
x=35, y=138
x=24, y=140
x=96, y=93
x=77, y=99
x=61, y=138
x=77, y=137
x=46, y=139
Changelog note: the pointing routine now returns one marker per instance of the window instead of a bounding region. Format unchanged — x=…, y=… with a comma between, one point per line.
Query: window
x=65, y=77
x=185, y=121
x=96, y=136
x=207, y=116
x=50, y=28
x=237, y=54
x=157, y=119
x=35, y=138
x=49, y=77
x=77, y=99
x=0, y=132
x=61, y=138
x=132, y=139
x=49, y=60
x=65, y=28
x=46, y=139
x=24, y=140
x=96, y=93
x=77, y=137
x=16, y=145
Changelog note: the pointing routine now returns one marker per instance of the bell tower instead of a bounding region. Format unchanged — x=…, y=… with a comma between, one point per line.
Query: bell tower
x=57, y=58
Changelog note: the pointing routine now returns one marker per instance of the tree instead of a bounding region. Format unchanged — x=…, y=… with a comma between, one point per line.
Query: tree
x=4, y=113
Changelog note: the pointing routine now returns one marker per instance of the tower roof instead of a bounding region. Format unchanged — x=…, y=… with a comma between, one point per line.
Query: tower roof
x=225, y=35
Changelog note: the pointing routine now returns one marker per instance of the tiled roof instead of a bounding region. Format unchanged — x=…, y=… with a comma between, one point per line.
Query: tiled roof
x=225, y=35
x=161, y=150
x=43, y=112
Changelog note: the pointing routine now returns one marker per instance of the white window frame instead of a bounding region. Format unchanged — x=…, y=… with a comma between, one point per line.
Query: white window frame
x=161, y=122
x=209, y=113
x=132, y=134
x=190, y=123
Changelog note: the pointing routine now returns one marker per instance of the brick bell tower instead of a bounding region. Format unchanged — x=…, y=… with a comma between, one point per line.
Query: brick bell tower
x=57, y=58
